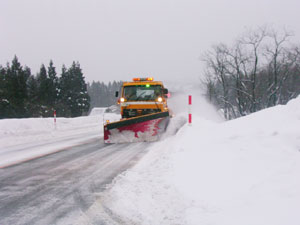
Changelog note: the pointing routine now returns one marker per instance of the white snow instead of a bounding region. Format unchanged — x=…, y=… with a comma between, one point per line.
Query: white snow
x=23, y=139
x=244, y=171
x=97, y=111
x=241, y=172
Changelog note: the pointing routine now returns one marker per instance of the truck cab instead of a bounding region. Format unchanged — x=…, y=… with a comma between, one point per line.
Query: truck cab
x=142, y=96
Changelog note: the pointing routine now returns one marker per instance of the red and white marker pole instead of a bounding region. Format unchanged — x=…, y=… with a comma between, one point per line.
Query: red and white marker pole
x=54, y=115
x=190, y=110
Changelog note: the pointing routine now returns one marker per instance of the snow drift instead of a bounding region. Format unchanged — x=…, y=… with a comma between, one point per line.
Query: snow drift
x=23, y=139
x=243, y=171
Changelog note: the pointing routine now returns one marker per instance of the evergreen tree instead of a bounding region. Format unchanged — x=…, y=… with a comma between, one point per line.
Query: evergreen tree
x=103, y=95
x=53, y=85
x=73, y=91
x=42, y=85
x=94, y=93
x=34, y=107
x=43, y=91
x=4, y=103
x=47, y=92
x=26, y=95
x=17, y=97
x=62, y=93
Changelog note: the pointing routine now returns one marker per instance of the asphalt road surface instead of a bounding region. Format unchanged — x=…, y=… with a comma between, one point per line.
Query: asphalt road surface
x=55, y=188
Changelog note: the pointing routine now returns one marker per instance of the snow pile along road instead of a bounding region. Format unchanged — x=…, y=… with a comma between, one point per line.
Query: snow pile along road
x=23, y=139
x=244, y=171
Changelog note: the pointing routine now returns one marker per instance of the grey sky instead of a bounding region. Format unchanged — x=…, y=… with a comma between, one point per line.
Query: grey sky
x=121, y=39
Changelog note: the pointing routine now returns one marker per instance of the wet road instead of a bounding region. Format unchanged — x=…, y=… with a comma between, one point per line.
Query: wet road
x=60, y=186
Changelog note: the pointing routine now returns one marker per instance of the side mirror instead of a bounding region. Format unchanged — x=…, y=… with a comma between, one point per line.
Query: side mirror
x=165, y=91
x=117, y=94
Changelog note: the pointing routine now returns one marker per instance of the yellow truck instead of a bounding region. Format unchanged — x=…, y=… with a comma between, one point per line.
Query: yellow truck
x=144, y=112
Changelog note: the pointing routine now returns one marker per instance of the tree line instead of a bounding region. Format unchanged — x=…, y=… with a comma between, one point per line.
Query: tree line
x=103, y=95
x=261, y=69
x=23, y=94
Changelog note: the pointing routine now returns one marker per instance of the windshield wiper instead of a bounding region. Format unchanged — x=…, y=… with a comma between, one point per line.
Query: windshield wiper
x=141, y=95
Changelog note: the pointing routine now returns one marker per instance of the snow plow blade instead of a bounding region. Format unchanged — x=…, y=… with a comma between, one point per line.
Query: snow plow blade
x=136, y=129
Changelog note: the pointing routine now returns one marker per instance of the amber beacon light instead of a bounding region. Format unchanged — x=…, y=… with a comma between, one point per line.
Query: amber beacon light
x=143, y=79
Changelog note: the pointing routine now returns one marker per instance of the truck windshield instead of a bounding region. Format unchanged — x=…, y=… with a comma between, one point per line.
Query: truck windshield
x=142, y=92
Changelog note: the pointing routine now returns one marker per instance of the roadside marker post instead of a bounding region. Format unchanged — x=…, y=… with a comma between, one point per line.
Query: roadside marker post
x=190, y=110
x=54, y=115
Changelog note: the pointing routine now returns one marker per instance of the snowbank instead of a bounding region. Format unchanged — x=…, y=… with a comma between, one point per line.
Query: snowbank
x=243, y=171
x=23, y=139
x=21, y=131
x=97, y=111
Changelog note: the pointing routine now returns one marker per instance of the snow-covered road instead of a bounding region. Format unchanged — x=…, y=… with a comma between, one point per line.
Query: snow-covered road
x=59, y=187
x=244, y=171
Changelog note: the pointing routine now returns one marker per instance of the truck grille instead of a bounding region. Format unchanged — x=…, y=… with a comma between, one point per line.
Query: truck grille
x=128, y=113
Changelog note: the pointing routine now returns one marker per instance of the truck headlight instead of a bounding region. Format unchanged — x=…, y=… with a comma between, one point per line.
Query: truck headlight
x=122, y=99
x=159, y=99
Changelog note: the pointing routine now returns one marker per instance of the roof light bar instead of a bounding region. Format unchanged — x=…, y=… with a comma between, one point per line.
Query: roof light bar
x=143, y=79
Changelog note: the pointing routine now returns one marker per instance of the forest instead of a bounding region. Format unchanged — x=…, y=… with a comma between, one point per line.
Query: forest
x=260, y=69
x=24, y=95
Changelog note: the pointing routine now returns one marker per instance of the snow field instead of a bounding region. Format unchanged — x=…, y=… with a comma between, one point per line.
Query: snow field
x=243, y=171
x=14, y=131
x=23, y=139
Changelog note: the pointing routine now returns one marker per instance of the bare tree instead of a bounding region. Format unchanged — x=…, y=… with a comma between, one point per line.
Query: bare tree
x=254, y=39
x=258, y=71
x=237, y=60
x=275, y=53
x=216, y=62
x=289, y=76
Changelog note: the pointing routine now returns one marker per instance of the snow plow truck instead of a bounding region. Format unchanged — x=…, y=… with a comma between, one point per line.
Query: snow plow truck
x=144, y=112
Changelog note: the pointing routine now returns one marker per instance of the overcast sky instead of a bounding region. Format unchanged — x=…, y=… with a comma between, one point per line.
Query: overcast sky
x=121, y=39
